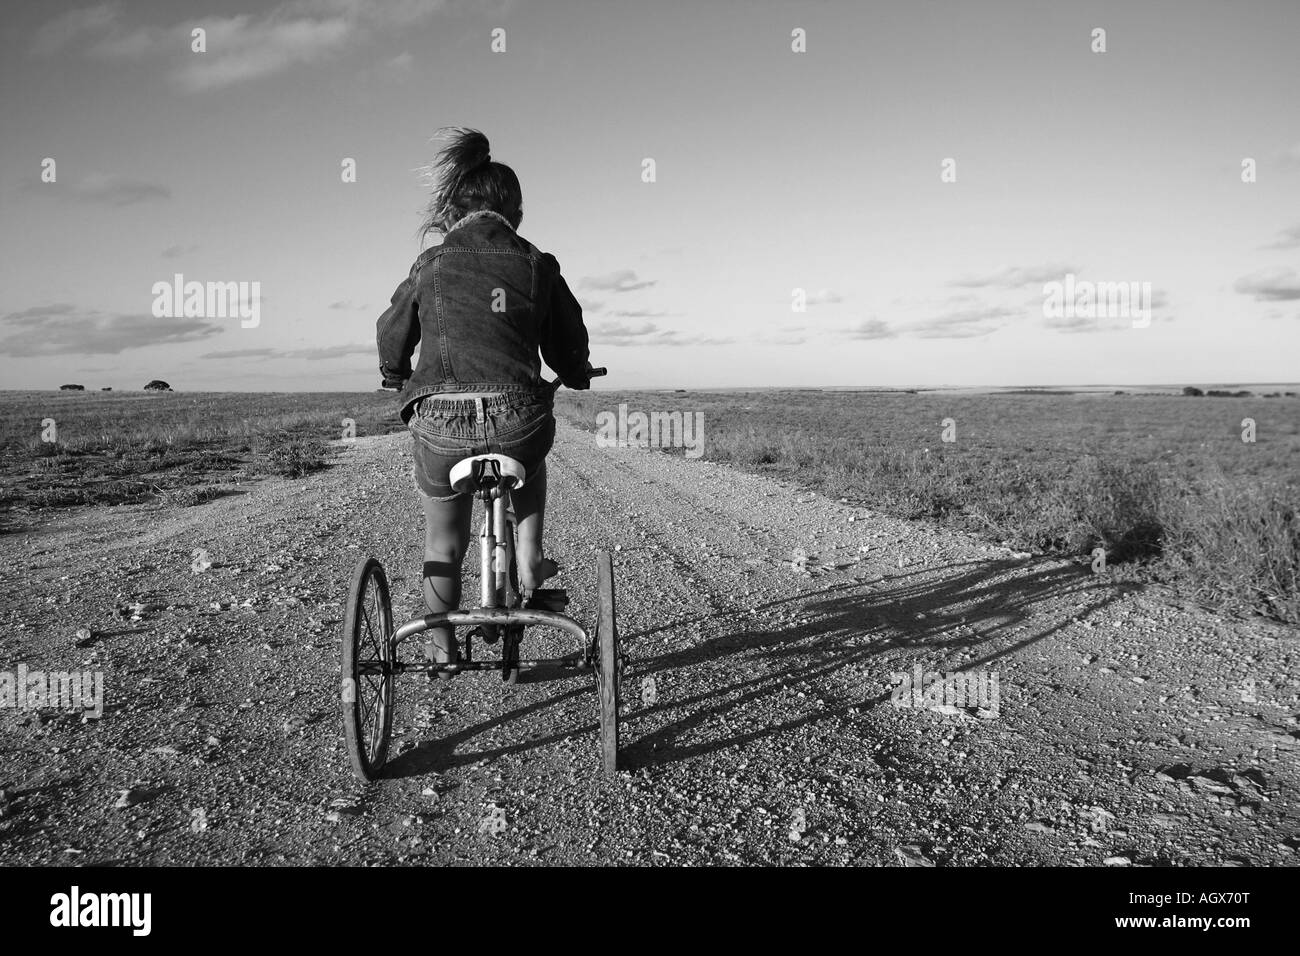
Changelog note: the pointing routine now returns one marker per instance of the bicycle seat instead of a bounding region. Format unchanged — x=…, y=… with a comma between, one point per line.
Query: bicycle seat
x=482, y=472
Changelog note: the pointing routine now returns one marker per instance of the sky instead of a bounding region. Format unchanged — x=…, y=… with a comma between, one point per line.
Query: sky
x=795, y=146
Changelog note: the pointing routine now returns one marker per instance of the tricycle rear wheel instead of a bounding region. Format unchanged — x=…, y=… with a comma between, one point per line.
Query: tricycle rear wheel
x=368, y=675
x=605, y=665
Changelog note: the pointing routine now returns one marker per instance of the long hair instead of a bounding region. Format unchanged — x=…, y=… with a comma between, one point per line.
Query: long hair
x=465, y=179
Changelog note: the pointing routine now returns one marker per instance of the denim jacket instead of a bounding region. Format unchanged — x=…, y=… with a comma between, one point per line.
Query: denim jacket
x=483, y=303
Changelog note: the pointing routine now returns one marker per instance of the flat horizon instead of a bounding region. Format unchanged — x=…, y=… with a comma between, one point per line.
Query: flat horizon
x=1078, y=387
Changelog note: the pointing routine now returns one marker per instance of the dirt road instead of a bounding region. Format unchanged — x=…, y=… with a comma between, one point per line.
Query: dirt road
x=761, y=627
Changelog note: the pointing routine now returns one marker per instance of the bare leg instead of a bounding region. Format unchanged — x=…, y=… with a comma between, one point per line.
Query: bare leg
x=530, y=513
x=446, y=538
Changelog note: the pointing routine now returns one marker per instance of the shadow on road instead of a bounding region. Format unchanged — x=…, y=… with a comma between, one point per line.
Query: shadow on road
x=998, y=606
x=454, y=749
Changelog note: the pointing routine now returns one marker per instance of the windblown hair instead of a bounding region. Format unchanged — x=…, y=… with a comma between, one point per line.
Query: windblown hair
x=465, y=180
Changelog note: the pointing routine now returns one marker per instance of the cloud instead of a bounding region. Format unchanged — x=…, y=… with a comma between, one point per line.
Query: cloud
x=822, y=297
x=39, y=311
x=637, y=313
x=239, y=48
x=871, y=329
x=1079, y=323
x=239, y=354
x=786, y=335
x=317, y=354
x=102, y=188
x=963, y=324
x=345, y=305
x=1096, y=323
x=332, y=351
x=1277, y=284
x=620, y=280
x=647, y=334
x=1288, y=238
x=63, y=329
x=176, y=251
x=1291, y=155
x=1113, y=320
x=397, y=66
x=389, y=13
x=589, y=305
x=243, y=48
x=54, y=35
x=1016, y=277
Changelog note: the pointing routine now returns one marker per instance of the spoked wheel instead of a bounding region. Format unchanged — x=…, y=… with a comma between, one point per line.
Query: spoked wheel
x=510, y=654
x=368, y=675
x=606, y=665
x=508, y=588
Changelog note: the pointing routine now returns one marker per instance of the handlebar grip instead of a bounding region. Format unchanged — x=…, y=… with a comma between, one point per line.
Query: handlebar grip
x=591, y=373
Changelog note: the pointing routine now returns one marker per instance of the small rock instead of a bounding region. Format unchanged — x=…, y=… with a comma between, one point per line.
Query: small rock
x=1207, y=785
x=798, y=825
x=1098, y=818
x=912, y=855
x=345, y=805
x=129, y=798
x=494, y=823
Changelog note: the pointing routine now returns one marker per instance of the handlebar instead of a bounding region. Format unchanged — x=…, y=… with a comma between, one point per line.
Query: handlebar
x=398, y=383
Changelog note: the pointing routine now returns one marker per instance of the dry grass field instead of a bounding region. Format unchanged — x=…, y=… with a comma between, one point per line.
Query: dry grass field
x=1164, y=483
x=123, y=447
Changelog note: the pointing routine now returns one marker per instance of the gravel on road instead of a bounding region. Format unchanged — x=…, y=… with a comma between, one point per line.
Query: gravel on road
x=764, y=629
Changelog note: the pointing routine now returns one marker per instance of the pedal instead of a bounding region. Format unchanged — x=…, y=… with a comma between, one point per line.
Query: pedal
x=548, y=599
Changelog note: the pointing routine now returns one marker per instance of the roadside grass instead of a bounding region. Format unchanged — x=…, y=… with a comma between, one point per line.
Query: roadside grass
x=124, y=447
x=1163, y=483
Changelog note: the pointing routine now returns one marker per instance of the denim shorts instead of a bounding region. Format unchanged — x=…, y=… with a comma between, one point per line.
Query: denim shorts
x=448, y=429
